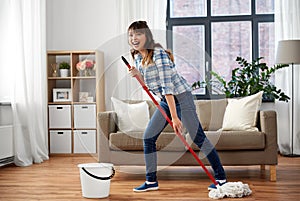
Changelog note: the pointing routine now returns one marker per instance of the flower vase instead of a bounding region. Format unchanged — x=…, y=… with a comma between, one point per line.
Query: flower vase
x=81, y=73
x=88, y=72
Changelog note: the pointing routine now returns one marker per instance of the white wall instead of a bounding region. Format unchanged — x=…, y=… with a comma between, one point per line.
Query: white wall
x=96, y=24
x=86, y=25
x=80, y=24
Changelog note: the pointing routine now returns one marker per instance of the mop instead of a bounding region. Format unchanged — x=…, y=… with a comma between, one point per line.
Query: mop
x=229, y=189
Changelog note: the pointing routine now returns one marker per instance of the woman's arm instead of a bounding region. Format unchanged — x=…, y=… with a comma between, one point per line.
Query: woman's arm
x=135, y=72
x=177, y=125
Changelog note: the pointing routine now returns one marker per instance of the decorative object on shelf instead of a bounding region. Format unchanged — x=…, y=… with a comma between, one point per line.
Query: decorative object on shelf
x=62, y=95
x=83, y=96
x=86, y=67
x=64, y=69
x=248, y=79
x=90, y=99
x=54, y=70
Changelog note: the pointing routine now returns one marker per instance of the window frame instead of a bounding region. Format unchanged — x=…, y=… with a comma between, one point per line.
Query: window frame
x=207, y=21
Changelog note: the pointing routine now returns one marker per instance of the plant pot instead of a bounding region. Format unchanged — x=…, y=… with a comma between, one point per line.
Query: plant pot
x=64, y=72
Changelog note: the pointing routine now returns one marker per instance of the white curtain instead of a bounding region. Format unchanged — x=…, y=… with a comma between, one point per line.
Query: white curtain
x=287, y=26
x=116, y=75
x=27, y=52
x=152, y=11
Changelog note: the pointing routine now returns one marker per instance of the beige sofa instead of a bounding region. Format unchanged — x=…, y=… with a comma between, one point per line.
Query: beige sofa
x=235, y=148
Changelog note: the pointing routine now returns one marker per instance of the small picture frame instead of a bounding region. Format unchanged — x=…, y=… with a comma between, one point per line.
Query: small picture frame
x=62, y=95
x=83, y=96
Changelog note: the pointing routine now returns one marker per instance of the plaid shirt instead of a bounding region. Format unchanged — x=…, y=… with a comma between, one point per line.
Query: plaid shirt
x=161, y=76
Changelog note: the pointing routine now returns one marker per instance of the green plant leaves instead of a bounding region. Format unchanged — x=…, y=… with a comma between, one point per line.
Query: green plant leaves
x=248, y=79
x=64, y=65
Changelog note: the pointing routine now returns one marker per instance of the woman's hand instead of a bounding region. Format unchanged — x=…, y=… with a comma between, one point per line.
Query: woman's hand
x=134, y=72
x=177, y=125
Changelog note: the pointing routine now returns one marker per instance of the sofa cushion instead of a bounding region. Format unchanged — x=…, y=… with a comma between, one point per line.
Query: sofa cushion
x=133, y=141
x=210, y=113
x=241, y=114
x=233, y=140
x=131, y=117
x=152, y=108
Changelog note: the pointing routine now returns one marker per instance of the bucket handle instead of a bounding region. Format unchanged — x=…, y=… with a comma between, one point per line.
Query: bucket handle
x=100, y=178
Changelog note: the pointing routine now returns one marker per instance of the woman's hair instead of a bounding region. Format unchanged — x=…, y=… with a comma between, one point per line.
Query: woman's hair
x=142, y=27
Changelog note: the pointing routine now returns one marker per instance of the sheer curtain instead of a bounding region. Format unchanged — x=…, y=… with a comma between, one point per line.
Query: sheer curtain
x=27, y=48
x=152, y=11
x=287, y=26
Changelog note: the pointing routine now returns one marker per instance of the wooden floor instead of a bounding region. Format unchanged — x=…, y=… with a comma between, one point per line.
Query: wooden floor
x=58, y=179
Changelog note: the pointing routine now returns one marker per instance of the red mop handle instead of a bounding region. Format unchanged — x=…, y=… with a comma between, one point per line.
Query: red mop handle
x=171, y=123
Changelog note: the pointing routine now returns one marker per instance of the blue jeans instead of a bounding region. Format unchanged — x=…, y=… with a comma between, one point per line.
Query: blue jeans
x=186, y=111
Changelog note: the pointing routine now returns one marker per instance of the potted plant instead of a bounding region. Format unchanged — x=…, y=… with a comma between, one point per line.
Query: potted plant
x=246, y=80
x=64, y=69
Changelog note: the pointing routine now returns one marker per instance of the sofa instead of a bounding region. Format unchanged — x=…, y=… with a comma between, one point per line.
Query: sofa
x=235, y=147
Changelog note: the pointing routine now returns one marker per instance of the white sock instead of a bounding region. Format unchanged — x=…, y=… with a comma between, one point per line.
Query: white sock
x=150, y=182
x=221, y=181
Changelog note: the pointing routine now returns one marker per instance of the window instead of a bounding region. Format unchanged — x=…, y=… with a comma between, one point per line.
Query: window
x=208, y=35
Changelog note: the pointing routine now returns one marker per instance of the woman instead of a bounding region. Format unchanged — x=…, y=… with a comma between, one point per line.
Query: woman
x=155, y=66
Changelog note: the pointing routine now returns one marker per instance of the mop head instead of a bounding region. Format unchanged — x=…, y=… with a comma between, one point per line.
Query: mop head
x=230, y=189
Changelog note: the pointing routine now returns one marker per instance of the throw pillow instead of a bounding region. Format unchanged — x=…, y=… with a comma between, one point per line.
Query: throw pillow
x=240, y=114
x=131, y=117
x=211, y=113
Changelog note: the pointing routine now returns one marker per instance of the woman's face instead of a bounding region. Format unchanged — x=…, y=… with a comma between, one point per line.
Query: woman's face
x=137, y=40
